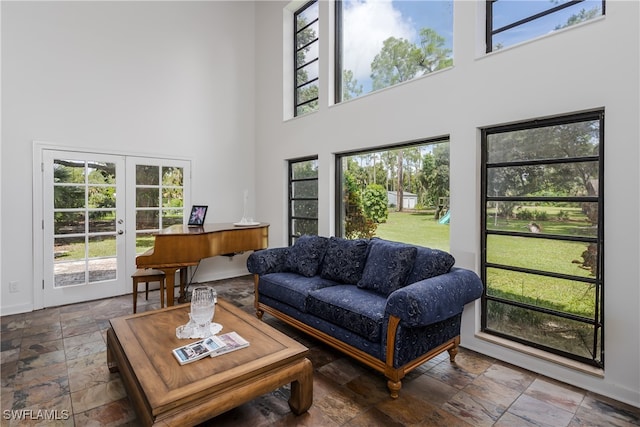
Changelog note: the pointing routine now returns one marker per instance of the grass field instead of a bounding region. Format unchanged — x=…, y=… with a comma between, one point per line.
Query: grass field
x=418, y=228
x=548, y=255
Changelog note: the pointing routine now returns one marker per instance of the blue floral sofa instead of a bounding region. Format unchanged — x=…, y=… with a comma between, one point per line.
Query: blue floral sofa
x=389, y=305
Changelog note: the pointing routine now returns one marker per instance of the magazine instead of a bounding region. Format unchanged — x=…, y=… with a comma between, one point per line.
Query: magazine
x=231, y=341
x=197, y=350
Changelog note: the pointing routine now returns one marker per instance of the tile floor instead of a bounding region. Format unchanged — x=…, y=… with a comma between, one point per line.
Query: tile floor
x=54, y=366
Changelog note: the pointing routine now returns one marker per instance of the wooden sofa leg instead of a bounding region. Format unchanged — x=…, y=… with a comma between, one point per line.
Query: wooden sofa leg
x=256, y=304
x=394, y=387
x=453, y=351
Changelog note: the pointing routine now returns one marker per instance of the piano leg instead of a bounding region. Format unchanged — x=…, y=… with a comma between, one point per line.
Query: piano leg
x=184, y=272
x=170, y=277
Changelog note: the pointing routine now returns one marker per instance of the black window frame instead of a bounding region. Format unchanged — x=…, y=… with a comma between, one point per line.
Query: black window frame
x=337, y=68
x=597, y=322
x=292, y=199
x=490, y=31
x=296, y=66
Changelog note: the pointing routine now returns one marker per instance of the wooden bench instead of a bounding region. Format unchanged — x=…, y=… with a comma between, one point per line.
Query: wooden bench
x=147, y=275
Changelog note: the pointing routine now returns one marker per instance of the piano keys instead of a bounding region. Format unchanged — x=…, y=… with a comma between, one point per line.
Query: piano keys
x=179, y=246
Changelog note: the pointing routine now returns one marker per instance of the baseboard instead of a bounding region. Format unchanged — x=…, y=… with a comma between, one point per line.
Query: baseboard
x=16, y=309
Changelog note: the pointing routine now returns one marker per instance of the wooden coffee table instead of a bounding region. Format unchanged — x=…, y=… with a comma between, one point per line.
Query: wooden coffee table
x=163, y=392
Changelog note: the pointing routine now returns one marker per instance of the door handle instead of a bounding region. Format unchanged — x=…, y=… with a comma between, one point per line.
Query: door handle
x=120, y=232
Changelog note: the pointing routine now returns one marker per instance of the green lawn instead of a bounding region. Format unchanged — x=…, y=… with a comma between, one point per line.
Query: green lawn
x=417, y=228
x=99, y=248
x=548, y=255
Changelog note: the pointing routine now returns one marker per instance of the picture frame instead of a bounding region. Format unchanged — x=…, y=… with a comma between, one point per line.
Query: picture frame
x=197, y=215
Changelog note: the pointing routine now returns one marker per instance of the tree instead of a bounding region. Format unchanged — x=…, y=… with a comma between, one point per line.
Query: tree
x=434, y=175
x=350, y=87
x=400, y=60
x=400, y=188
x=583, y=15
x=73, y=196
x=172, y=187
x=433, y=56
x=558, y=141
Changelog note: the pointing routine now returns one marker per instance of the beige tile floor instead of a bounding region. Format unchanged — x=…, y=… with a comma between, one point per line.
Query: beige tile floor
x=54, y=366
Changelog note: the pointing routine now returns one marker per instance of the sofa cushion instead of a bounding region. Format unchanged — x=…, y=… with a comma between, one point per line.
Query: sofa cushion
x=430, y=263
x=291, y=288
x=344, y=260
x=306, y=255
x=357, y=310
x=387, y=267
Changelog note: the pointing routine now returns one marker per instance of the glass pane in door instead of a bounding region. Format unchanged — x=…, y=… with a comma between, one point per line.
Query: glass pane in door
x=159, y=201
x=84, y=223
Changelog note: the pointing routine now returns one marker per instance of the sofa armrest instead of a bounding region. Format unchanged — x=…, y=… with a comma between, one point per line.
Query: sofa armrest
x=266, y=261
x=435, y=299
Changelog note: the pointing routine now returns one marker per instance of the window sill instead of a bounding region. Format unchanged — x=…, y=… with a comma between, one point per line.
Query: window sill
x=540, y=354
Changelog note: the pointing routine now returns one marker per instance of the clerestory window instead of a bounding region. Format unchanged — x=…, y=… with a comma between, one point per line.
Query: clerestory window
x=306, y=58
x=380, y=43
x=514, y=21
x=542, y=234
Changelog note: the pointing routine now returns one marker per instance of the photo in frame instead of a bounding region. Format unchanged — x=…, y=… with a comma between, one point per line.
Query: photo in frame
x=198, y=213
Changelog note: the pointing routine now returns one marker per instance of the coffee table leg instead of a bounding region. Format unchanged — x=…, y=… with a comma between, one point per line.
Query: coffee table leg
x=302, y=389
x=111, y=363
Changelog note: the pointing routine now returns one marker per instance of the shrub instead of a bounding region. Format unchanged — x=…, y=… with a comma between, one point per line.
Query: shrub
x=375, y=203
x=357, y=225
x=532, y=215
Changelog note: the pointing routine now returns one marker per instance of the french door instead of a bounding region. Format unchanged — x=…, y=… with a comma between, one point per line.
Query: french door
x=98, y=212
x=84, y=226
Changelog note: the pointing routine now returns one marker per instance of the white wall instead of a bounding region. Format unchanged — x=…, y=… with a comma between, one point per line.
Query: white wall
x=594, y=65
x=167, y=79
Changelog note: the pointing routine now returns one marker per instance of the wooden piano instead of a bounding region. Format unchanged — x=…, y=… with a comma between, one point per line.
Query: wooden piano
x=179, y=246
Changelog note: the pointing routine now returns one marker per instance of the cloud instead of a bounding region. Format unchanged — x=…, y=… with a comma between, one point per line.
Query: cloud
x=366, y=25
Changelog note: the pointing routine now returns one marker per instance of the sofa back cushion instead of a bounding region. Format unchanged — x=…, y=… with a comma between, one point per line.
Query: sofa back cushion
x=388, y=266
x=306, y=255
x=344, y=260
x=430, y=263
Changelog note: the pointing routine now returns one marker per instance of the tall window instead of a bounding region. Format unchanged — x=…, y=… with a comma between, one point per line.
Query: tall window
x=542, y=240
x=303, y=197
x=510, y=22
x=380, y=43
x=399, y=193
x=305, y=59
